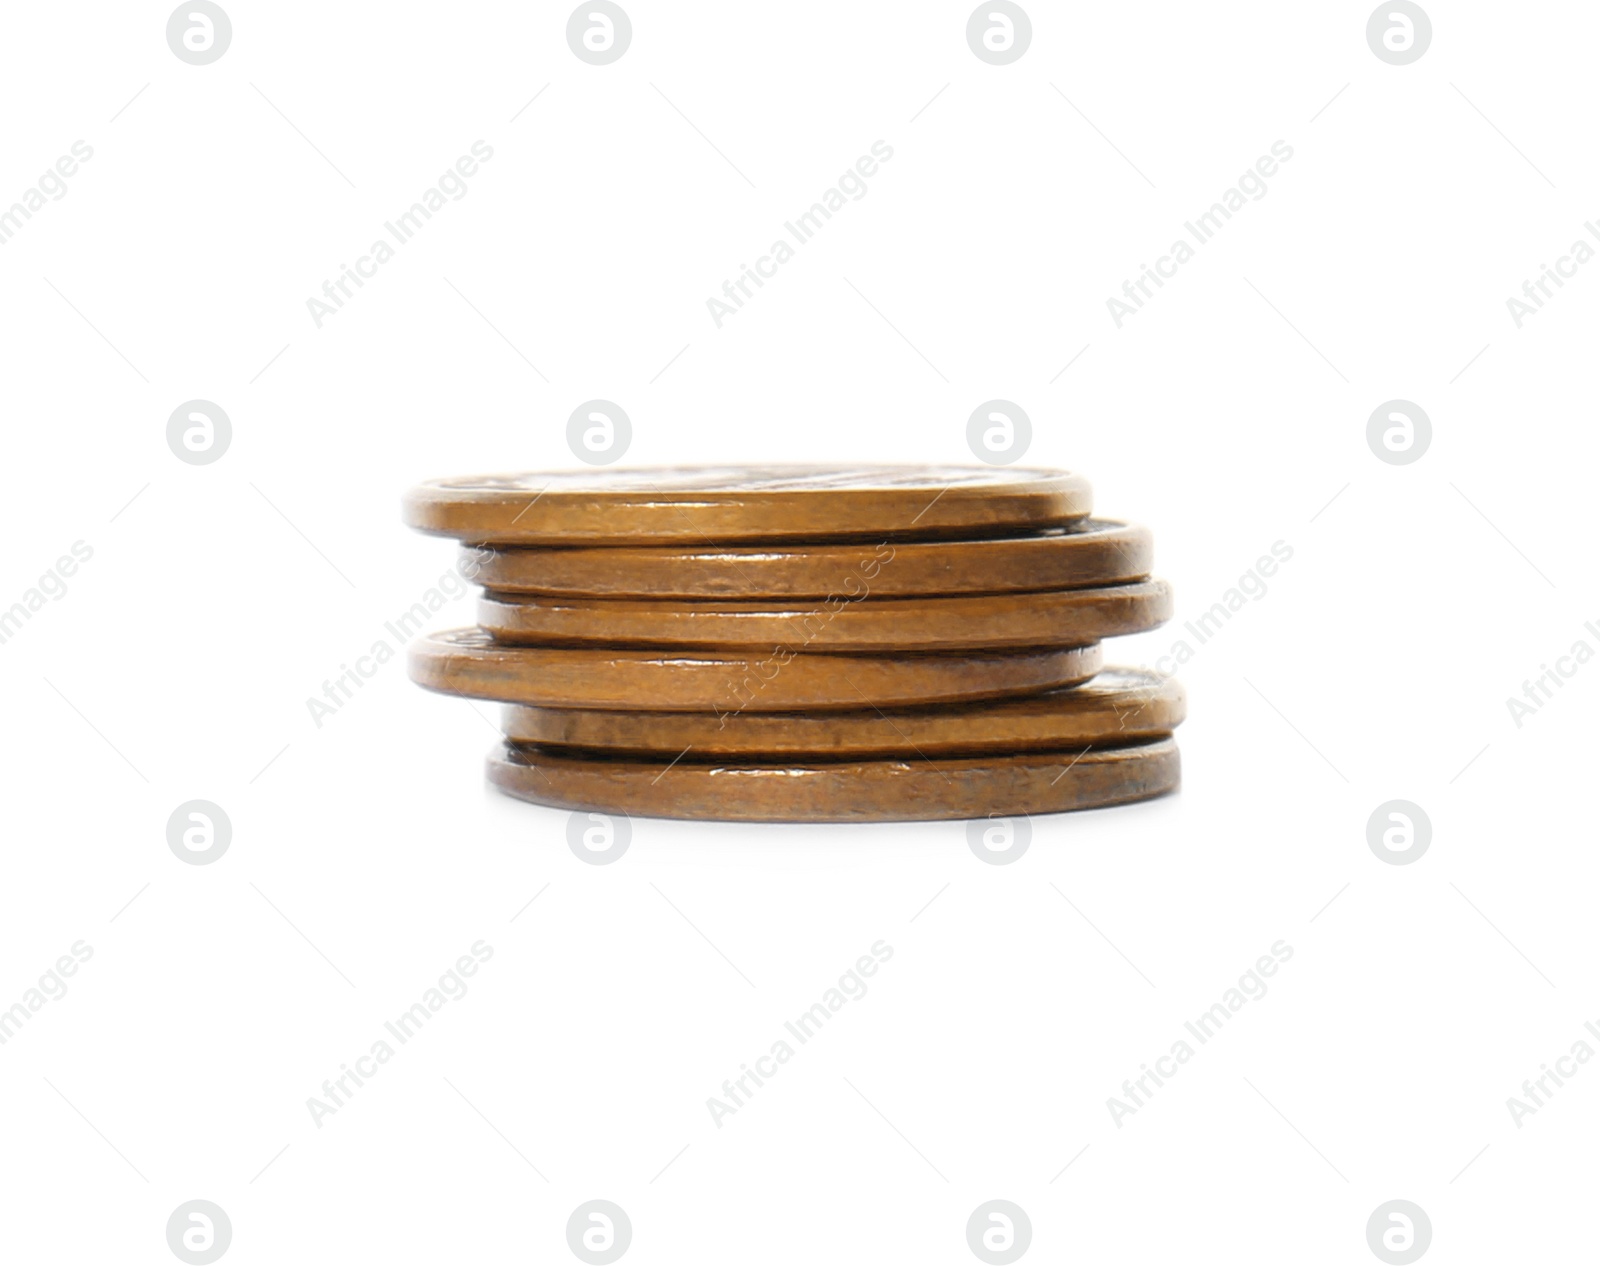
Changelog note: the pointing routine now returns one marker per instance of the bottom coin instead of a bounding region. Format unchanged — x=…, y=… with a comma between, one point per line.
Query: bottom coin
x=902, y=790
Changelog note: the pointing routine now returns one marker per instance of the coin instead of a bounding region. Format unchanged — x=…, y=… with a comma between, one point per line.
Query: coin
x=1066, y=617
x=745, y=503
x=890, y=790
x=469, y=662
x=1118, y=705
x=1091, y=552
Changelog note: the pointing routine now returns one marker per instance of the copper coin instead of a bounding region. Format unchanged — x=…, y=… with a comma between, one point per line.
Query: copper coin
x=893, y=790
x=745, y=503
x=1091, y=552
x=1066, y=617
x=1118, y=705
x=469, y=662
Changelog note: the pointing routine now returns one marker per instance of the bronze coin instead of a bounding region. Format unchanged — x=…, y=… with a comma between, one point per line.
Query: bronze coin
x=469, y=662
x=745, y=503
x=892, y=790
x=1066, y=617
x=1091, y=552
x=1118, y=705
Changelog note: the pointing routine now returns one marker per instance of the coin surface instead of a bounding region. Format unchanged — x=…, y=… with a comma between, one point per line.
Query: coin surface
x=1065, y=617
x=1116, y=706
x=745, y=503
x=469, y=662
x=889, y=790
x=1091, y=552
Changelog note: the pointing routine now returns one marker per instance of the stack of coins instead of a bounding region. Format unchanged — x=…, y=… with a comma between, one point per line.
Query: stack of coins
x=805, y=644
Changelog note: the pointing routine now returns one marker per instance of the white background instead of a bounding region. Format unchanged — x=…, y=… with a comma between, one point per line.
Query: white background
x=1229, y=414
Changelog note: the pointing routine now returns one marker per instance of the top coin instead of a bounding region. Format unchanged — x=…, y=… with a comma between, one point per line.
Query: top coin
x=745, y=503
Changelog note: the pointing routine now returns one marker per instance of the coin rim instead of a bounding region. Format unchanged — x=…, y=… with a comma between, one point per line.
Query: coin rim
x=1048, y=559
x=468, y=662
x=956, y=622
x=599, y=515
x=1158, y=704
x=923, y=784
